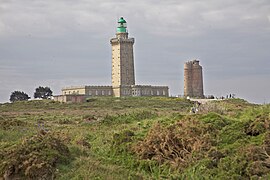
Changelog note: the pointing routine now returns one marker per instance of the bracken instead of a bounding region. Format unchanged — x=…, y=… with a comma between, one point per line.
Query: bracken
x=35, y=158
x=178, y=145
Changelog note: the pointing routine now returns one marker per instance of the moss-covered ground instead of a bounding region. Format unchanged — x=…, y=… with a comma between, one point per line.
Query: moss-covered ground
x=134, y=138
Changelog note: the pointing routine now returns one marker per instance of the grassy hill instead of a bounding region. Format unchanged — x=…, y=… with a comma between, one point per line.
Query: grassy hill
x=134, y=138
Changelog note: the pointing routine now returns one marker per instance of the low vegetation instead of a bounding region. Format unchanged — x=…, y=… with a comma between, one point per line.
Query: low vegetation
x=134, y=138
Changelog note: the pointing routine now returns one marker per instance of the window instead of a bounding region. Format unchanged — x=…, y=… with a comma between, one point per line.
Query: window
x=109, y=92
x=157, y=92
x=96, y=92
x=164, y=93
x=90, y=93
x=102, y=93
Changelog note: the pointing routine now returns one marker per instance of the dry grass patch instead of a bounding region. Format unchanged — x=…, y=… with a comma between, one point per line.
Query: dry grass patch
x=35, y=158
x=178, y=145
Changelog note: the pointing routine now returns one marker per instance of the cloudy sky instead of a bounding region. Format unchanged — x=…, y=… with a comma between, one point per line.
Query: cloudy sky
x=60, y=43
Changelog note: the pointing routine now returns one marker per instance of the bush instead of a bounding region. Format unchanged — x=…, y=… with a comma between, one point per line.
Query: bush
x=7, y=124
x=178, y=145
x=215, y=120
x=43, y=92
x=18, y=96
x=35, y=158
x=260, y=124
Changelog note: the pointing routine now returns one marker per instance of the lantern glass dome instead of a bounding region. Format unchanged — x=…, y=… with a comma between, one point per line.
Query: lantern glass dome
x=122, y=25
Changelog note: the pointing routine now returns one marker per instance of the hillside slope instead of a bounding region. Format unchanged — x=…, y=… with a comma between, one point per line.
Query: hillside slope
x=136, y=138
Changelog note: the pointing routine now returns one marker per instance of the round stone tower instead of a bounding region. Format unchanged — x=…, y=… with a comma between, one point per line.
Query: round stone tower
x=122, y=60
x=193, y=79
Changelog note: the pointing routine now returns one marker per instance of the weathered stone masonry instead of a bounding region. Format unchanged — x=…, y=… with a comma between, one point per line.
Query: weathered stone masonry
x=193, y=79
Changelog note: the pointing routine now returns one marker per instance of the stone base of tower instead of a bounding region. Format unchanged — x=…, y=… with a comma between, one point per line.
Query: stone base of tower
x=116, y=91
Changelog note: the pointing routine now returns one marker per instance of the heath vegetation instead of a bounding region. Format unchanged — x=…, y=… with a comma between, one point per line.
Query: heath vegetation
x=134, y=138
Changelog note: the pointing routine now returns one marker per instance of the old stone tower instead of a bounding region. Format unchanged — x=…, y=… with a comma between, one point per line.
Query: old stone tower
x=122, y=60
x=193, y=79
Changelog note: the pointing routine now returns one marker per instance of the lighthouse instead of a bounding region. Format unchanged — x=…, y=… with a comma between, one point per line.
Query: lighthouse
x=123, y=75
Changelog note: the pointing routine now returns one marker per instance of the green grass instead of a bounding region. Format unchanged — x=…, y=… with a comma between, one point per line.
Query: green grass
x=101, y=136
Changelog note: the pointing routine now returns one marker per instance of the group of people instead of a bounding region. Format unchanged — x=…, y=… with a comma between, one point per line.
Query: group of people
x=230, y=96
x=195, y=108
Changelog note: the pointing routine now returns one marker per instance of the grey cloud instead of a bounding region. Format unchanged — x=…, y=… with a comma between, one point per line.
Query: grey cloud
x=62, y=42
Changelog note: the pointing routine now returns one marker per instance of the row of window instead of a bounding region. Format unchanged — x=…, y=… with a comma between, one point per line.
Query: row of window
x=95, y=92
x=103, y=93
x=72, y=92
x=125, y=92
x=144, y=92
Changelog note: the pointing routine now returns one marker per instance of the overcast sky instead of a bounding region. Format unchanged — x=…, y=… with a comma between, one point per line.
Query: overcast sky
x=60, y=43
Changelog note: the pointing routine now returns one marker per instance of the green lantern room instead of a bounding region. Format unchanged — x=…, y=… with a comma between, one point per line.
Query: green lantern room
x=122, y=26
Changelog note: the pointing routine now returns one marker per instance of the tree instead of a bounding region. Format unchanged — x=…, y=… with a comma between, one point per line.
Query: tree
x=18, y=96
x=43, y=92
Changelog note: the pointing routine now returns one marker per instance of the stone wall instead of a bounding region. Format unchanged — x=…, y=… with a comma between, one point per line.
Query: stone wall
x=99, y=91
x=142, y=90
x=74, y=98
x=88, y=90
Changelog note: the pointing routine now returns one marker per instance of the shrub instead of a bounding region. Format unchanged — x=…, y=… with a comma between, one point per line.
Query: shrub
x=7, y=124
x=18, y=96
x=35, y=158
x=259, y=158
x=257, y=126
x=215, y=120
x=178, y=145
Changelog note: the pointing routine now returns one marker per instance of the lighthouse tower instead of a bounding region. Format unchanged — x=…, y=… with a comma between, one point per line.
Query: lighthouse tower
x=123, y=76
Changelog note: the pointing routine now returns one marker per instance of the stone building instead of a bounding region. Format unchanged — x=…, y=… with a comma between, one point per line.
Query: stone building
x=133, y=90
x=123, y=74
x=193, y=79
